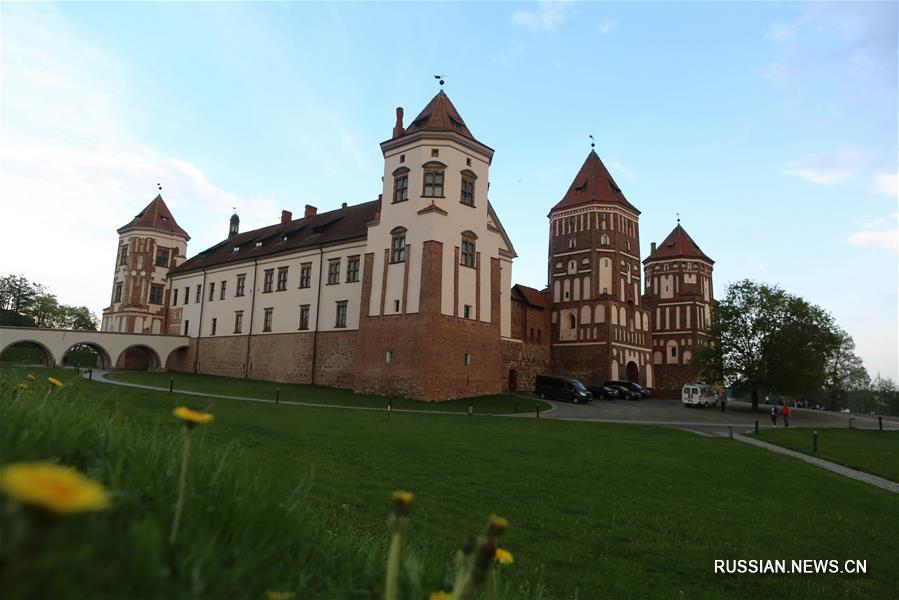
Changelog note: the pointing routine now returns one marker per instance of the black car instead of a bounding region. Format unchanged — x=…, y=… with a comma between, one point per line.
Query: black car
x=558, y=387
x=604, y=392
x=630, y=390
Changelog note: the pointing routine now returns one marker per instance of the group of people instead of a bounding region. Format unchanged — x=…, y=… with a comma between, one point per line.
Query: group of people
x=784, y=411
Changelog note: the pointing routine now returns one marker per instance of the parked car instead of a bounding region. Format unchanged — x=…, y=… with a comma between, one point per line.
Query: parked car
x=698, y=394
x=604, y=392
x=557, y=387
x=634, y=390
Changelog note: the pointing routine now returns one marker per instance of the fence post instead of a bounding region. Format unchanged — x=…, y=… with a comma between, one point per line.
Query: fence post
x=90, y=375
x=756, y=426
x=171, y=384
x=731, y=431
x=277, y=395
x=815, y=440
x=880, y=422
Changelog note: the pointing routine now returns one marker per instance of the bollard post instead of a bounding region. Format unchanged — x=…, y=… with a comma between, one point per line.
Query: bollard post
x=90, y=375
x=389, y=408
x=171, y=384
x=538, y=409
x=277, y=395
x=471, y=409
x=850, y=422
x=880, y=422
x=815, y=441
x=756, y=426
x=516, y=407
x=731, y=431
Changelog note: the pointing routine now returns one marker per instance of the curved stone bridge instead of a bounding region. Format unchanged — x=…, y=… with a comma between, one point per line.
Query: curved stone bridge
x=114, y=350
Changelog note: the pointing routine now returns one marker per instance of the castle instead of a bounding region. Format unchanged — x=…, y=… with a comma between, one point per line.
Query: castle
x=411, y=294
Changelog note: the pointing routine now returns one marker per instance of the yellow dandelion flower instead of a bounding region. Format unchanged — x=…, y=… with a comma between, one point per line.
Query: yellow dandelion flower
x=402, y=501
x=503, y=556
x=192, y=416
x=496, y=525
x=56, y=382
x=272, y=595
x=30, y=376
x=23, y=386
x=441, y=596
x=61, y=490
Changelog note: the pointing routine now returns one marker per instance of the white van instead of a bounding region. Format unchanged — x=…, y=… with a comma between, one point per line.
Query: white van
x=698, y=394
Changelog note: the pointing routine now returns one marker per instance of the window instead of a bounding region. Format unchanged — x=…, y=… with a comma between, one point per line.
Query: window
x=304, y=316
x=175, y=297
x=401, y=184
x=468, y=252
x=222, y=290
x=604, y=240
x=352, y=269
x=468, y=162
x=162, y=257
x=211, y=291
x=187, y=295
x=433, y=180
x=241, y=283
x=340, y=321
x=396, y=306
x=268, y=281
x=435, y=152
x=238, y=321
x=333, y=271
x=199, y=296
x=214, y=326
x=156, y=293
x=468, y=178
x=282, y=278
x=305, y=274
x=186, y=327
x=402, y=158
x=398, y=245
x=466, y=311
x=468, y=359
x=123, y=255
x=673, y=351
x=389, y=358
x=267, y=319
x=118, y=292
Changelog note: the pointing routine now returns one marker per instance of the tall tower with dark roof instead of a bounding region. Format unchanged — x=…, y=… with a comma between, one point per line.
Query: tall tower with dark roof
x=679, y=296
x=149, y=245
x=599, y=329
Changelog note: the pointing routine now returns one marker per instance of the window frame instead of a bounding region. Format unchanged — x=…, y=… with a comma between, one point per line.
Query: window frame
x=117, y=291
x=238, y=321
x=304, y=318
x=352, y=269
x=333, y=271
x=268, y=316
x=398, y=251
x=160, y=293
x=211, y=291
x=340, y=316
x=305, y=275
x=283, y=274
x=434, y=170
x=241, y=285
x=268, y=281
x=468, y=177
x=400, y=185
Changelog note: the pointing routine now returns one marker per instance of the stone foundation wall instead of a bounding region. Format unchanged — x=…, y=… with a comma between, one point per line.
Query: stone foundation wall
x=526, y=361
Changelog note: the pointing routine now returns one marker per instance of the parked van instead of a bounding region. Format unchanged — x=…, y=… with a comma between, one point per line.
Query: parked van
x=698, y=394
x=557, y=387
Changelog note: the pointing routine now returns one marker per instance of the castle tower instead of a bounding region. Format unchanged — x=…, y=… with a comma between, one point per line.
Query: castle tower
x=599, y=330
x=149, y=246
x=679, y=296
x=438, y=266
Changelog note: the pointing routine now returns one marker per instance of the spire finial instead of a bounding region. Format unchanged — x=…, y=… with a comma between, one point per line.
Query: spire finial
x=439, y=79
x=592, y=141
x=159, y=186
x=678, y=218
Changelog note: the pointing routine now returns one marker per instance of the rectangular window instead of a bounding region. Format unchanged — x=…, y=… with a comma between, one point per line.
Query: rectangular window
x=118, y=292
x=352, y=269
x=123, y=256
x=267, y=319
x=468, y=191
x=396, y=306
x=175, y=297
x=211, y=291
x=304, y=316
x=305, y=274
x=466, y=311
x=241, y=283
x=222, y=290
x=214, y=326
x=401, y=188
x=187, y=328
x=238, y=321
x=467, y=359
x=333, y=271
x=340, y=321
x=433, y=184
x=156, y=293
x=282, y=278
x=268, y=281
x=468, y=253
x=389, y=358
x=187, y=295
x=199, y=297
x=162, y=257
x=398, y=248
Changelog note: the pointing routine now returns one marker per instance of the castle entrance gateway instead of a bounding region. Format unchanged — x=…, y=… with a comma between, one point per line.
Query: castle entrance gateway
x=633, y=372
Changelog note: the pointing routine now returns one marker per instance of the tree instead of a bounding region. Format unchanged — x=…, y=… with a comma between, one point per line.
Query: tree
x=27, y=304
x=766, y=340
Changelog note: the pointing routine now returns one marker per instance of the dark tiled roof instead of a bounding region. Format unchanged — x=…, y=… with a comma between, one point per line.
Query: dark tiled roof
x=678, y=244
x=593, y=184
x=341, y=225
x=156, y=215
x=439, y=115
x=531, y=296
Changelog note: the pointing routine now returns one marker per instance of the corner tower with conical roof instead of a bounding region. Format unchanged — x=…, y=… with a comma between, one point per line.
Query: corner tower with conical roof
x=679, y=295
x=438, y=266
x=149, y=245
x=599, y=329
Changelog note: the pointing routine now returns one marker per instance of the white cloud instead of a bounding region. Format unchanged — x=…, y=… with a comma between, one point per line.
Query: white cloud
x=882, y=232
x=827, y=168
x=606, y=25
x=547, y=16
x=886, y=183
x=622, y=170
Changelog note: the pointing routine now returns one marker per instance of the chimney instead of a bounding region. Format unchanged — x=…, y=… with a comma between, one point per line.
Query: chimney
x=310, y=211
x=343, y=205
x=652, y=248
x=286, y=217
x=398, y=129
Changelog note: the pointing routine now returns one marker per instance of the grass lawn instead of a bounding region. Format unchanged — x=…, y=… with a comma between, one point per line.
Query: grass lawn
x=872, y=451
x=596, y=510
x=265, y=390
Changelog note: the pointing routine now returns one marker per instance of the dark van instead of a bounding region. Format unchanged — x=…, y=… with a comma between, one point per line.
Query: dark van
x=557, y=387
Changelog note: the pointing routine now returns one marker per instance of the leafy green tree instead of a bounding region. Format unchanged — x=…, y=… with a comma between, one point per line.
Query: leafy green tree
x=27, y=304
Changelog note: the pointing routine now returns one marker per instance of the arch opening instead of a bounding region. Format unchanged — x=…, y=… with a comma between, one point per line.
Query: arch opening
x=27, y=352
x=86, y=355
x=633, y=372
x=138, y=358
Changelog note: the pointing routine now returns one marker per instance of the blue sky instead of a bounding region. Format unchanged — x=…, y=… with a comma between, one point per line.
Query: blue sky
x=770, y=127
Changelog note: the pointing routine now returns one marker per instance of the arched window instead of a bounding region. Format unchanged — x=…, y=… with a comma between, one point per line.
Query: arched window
x=604, y=240
x=467, y=254
x=433, y=179
x=622, y=316
x=539, y=336
x=572, y=321
x=401, y=184
x=599, y=315
x=585, y=315
x=468, y=179
x=398, y=245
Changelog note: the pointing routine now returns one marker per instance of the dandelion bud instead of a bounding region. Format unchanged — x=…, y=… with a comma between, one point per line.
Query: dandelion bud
x=402, y=502
x=496, y=526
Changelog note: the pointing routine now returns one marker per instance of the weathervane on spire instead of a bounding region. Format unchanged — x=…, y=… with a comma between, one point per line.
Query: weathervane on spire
x=159, y=186
x=592, y=141
x=439, y=79
x=678, y=218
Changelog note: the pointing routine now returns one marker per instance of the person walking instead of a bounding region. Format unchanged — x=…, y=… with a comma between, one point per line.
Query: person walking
x=774, y=414
x=786, y=413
